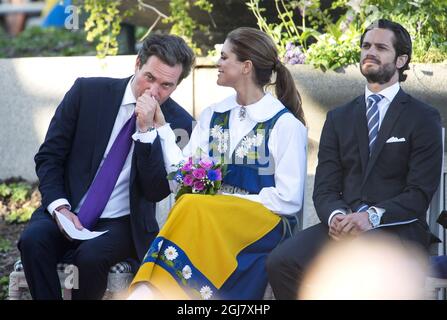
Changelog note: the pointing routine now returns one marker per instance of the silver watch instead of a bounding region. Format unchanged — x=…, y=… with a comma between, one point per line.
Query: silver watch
x=374, y=218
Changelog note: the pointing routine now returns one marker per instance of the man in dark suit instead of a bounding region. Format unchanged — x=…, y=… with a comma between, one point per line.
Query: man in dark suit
x=379, y=163
x=81, y=135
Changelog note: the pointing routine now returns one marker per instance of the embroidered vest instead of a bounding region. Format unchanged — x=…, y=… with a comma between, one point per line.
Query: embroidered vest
x=250, y=167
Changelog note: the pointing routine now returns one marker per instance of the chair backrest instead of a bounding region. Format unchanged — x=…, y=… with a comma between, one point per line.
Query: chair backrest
x=437, y=204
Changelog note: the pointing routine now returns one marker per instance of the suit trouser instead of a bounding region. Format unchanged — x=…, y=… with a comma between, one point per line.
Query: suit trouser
x=287, y=263
x=43, y=246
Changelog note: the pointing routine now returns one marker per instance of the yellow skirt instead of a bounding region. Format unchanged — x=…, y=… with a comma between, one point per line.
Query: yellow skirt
x=212, y=247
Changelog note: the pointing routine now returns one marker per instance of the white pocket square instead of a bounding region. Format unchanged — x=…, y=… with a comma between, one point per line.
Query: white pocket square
x=395, y=139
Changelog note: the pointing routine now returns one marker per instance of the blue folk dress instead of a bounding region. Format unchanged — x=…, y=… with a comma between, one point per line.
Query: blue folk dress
x=216, y=246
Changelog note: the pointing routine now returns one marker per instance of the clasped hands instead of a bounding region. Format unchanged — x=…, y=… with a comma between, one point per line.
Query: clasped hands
x=148, y=112
x=350, y=225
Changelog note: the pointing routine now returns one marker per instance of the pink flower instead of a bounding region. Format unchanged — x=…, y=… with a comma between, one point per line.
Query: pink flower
x=186, y=167
x=206, y=163
x=199, y=173
x=188, y=180
x=199, y=185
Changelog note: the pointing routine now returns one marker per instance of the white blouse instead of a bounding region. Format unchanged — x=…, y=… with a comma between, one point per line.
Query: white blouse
x=287, y=145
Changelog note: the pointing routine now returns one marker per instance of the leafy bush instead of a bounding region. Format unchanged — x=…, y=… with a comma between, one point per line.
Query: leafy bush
x=104, y=18
x=5, y=245
x=4, y=283
x=328, y=42
x=425, y=20
x=18, y=200
x=37, y=41
x=21, y=215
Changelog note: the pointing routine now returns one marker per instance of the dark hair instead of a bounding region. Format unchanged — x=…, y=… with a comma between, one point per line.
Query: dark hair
x=256, y=46
x=401, y=41
x=170, y=49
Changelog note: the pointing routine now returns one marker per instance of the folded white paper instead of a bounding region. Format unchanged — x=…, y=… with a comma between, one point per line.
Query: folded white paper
x=74, y=233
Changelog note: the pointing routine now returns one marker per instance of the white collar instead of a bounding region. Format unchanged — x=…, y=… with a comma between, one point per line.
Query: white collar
x=128, y=97
x=259, y=111
x=389, y=93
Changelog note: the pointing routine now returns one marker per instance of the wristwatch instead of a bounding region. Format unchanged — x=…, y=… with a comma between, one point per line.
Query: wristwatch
x=374, y=218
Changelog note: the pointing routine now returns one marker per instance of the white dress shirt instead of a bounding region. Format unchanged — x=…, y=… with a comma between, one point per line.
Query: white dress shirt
x=287, y=145
x=118, y=204
x=388, y=96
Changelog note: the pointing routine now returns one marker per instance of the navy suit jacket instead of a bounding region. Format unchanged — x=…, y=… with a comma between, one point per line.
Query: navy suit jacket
x=400, y=177
x=75, y=143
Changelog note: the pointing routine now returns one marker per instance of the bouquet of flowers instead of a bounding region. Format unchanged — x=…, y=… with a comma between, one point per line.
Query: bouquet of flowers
x=203, y=176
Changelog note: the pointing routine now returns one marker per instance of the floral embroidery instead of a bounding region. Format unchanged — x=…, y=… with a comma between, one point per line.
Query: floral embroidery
x=187, y=272
x=173, y=260
x=222, y=138
x=247, y=143
x=206, y=292
x=171, y=253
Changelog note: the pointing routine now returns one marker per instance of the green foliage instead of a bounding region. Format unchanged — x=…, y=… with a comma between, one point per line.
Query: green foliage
x=16, y=191
x=103, y=24
x=21, y=215
x=37, y=41
x=105, y=17
x=5, y=245
x=330, y=44
x=183, y=24
x=286, y=31
x=16, y=202
x=425, y=20
x=4, y=285
x=336, y=48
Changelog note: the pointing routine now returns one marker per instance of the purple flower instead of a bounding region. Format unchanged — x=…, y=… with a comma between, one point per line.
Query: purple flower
x=186, y=167
x=199, y=185
x=206, y=163
x=215, y=175
x=199, y=173
x=289, y=46
x=188, y=180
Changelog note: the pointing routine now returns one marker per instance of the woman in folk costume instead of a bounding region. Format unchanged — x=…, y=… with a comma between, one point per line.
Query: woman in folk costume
x=215, y=246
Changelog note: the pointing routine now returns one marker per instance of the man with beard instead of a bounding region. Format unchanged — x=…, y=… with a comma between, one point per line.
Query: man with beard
x=379, y=163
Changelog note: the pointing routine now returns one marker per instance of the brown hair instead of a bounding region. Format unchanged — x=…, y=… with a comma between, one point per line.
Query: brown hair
x=256, y=46
x=170, y=49
x=401, y=41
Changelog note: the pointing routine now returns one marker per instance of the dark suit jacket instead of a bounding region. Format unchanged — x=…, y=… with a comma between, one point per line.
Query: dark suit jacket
x=400, y=177
x=75, y=143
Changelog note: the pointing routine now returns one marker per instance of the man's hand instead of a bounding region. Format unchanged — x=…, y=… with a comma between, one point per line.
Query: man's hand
x=159, y=119
x=333, y=227
x=70, y=216
x=145, y=109
x=349, y=225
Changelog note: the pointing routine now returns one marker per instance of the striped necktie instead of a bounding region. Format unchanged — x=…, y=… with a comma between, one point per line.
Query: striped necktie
x=372, y=116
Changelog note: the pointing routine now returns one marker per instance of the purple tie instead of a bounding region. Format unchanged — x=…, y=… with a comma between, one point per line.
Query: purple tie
x=100, y=190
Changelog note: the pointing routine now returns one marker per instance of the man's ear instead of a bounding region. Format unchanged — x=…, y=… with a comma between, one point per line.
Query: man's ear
x=137, y=64
x=401, y=61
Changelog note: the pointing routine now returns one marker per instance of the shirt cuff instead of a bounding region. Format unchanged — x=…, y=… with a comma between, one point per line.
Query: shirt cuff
x=145, y=137
x=335, y=212
x=165, y=132
x=57, y=203
x=379, y=211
